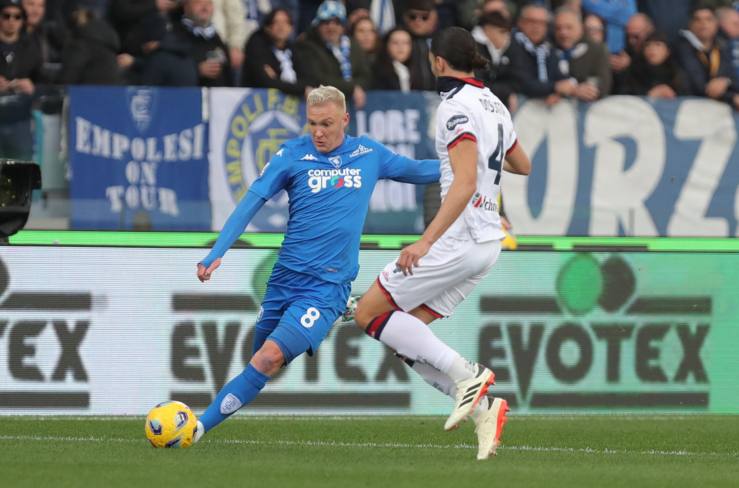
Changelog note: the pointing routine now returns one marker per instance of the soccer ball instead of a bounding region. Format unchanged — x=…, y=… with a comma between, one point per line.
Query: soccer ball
x=170, y=424
x=350, y=311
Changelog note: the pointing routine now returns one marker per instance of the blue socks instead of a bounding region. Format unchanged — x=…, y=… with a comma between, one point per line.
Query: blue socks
x=236, y=393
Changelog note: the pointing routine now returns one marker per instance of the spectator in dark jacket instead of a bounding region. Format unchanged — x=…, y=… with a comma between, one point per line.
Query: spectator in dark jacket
x=421, y=19
x=533, y=59
x=705, y=59
x=49, y=34
x=156, y=56
x=124, y=15
x=196, y=31
x=90, y=54
x=654, y=73
x=20, y=70
x=638, y=28
x=270, y=60
x=493, y=36
x=334, y=58
x=392, y=69
x=580, y=58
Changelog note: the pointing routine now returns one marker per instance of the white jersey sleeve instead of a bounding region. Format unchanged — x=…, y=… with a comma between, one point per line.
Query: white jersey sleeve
x=455, y=124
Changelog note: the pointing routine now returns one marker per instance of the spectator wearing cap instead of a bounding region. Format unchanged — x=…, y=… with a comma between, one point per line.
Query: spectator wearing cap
x=654, y=72
x=580, y=58
x=20, y=70
x=706, y=60
x=90, y=55
x=421, y=19
x=533, y=60
x=335, y=59
x=493, y=36
x=196, y=31
x=270, y=57
x=728, y=20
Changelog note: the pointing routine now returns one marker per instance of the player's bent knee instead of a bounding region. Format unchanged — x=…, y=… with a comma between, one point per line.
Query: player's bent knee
x=363, y=316
x=268, y=359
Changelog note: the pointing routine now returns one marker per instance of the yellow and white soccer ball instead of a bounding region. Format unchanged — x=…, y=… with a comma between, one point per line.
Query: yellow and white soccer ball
x=170, y=424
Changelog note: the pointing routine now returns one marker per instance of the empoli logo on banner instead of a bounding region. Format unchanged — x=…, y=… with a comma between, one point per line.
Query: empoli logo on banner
x=142, y=103
x=261, y=122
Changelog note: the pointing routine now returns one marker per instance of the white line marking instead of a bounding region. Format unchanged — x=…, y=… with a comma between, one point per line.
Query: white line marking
x=364, y=418
x=382, y=445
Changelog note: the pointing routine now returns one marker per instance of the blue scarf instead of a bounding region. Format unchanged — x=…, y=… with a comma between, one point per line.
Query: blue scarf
x=341, y=53
x=207, y=32
x=541, y=52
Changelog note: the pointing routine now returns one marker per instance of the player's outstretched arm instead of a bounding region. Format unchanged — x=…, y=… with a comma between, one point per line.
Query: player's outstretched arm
x=463, y=159
x=407, y=170
x=235, y=225
x=517, y=161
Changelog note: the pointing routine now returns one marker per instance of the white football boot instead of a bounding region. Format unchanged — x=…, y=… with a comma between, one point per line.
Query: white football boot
x=469, y=393
x=199, y=432
x=489, y=425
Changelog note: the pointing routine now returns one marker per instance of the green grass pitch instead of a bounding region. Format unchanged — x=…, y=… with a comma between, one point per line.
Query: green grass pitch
x=390, y=452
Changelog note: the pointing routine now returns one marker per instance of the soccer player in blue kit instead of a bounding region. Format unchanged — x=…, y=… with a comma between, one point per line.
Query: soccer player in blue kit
x=329, y=177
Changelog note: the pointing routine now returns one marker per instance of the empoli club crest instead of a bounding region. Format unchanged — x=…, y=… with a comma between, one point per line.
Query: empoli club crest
x=259, y=124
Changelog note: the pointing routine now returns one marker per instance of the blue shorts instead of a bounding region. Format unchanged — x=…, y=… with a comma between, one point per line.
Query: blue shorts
x=298, y=311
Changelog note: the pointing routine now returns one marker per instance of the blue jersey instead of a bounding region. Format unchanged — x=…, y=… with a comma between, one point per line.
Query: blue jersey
x=329, y=197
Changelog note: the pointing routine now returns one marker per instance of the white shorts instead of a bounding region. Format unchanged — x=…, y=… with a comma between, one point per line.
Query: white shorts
x=443, y=278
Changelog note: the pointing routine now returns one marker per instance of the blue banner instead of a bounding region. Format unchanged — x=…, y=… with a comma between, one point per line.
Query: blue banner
x=401, y=122
x=627, y=166
x=139, y=159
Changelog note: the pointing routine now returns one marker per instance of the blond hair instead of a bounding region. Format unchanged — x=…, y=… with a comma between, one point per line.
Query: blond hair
x=327, y=94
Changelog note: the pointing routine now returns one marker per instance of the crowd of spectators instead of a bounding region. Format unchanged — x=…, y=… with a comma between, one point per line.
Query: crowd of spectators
x=546, y=49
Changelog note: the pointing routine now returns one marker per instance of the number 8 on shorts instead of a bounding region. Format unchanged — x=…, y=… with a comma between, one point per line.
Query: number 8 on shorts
x=309, y=317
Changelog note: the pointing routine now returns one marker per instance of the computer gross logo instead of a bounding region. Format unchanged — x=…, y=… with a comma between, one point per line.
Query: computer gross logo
x=600, y=342
x=39, y=372
x=320, y=179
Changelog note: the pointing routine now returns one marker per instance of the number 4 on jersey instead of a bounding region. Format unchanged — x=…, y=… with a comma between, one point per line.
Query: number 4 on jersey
x=496, y=160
